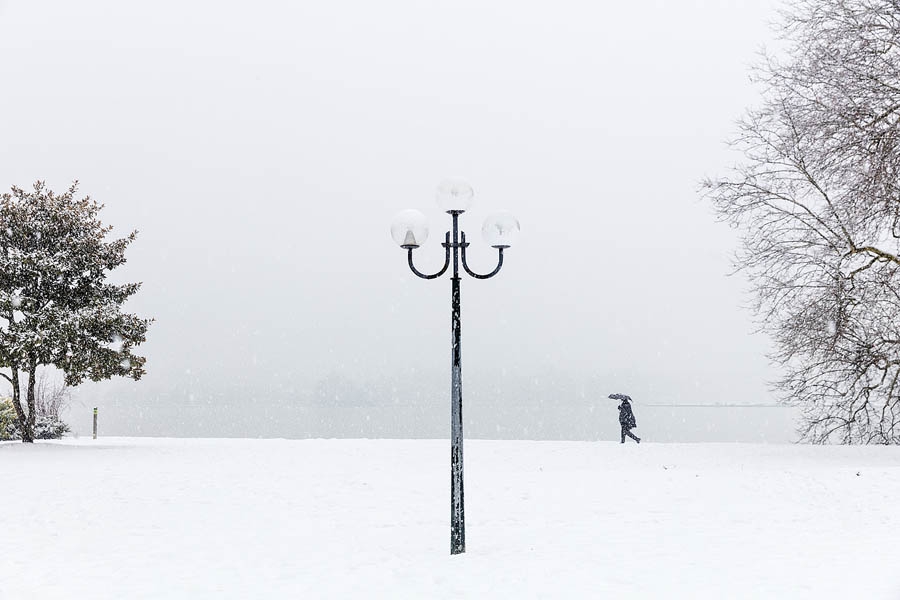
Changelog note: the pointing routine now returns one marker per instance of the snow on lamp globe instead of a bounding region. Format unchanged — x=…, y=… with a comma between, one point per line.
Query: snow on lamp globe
x=409, y=229
x=454, y=195
x=501, y=229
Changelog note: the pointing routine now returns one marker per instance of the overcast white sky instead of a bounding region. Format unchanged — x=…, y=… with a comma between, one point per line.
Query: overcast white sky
x=262, y=148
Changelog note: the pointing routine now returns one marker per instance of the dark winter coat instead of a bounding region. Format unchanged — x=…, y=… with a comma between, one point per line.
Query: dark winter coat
x=626, y=417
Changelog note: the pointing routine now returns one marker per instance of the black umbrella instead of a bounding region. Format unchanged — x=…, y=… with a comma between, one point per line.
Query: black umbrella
x=620, y=397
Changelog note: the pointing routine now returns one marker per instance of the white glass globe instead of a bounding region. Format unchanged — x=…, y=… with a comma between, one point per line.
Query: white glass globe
x=409, y=228
x=500, y=229
x=454, y=195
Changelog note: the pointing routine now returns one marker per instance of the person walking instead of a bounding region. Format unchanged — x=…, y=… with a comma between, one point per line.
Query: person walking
x=626, y=417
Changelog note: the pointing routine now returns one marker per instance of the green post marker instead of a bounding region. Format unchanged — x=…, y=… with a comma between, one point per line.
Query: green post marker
x=95, y=422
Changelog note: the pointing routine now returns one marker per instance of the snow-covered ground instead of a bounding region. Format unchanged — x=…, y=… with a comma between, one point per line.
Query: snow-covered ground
x=188, y=518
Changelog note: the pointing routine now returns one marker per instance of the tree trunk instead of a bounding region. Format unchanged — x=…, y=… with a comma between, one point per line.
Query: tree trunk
x=32, y=412
x=22, y=417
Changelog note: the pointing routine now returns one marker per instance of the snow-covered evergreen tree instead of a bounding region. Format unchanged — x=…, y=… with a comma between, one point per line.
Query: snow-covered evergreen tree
x=56, y=306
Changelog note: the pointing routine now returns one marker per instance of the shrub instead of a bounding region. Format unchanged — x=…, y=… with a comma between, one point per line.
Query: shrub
x=8, y=424
x=46, y=427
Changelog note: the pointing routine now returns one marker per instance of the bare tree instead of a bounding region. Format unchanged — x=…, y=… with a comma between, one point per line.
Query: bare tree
x=51, y=396
x=816, y=198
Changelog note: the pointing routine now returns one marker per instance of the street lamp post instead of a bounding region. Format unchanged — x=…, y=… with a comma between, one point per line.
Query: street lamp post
x=410, y=231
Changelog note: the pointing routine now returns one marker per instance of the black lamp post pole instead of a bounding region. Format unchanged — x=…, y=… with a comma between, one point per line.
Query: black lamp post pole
x=457, y=505
x=455, y=244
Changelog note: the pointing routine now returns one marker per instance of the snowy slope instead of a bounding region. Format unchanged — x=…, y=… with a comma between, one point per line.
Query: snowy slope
x=164, y=518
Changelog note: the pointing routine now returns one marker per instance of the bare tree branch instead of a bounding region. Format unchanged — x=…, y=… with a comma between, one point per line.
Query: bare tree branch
x=817, y=200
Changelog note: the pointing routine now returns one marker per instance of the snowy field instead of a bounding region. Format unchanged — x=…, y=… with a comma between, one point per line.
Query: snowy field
x=188, y=518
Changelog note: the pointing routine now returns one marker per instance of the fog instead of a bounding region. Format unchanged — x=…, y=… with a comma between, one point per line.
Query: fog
x=262, y=148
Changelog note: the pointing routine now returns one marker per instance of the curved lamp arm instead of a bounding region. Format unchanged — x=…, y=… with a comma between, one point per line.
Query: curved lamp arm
x=464, y=245
x=413, y=268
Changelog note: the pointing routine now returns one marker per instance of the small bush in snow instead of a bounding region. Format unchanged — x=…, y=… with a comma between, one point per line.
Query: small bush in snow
x=8, y=429
x=46, y=427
